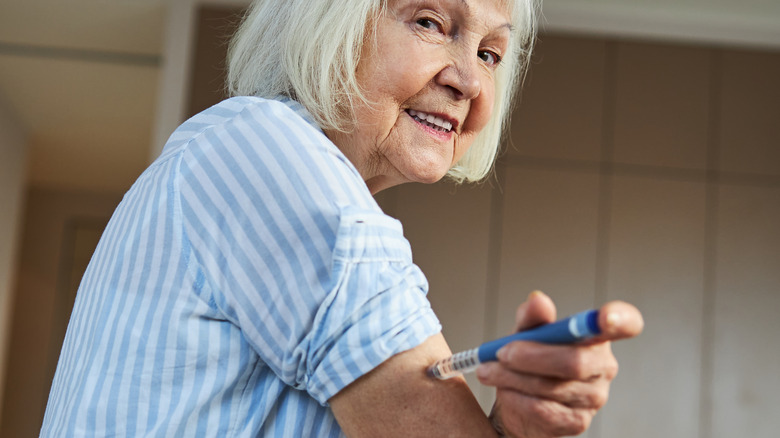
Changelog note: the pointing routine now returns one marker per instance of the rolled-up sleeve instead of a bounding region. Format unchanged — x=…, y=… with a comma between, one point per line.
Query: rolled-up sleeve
x=376, y=309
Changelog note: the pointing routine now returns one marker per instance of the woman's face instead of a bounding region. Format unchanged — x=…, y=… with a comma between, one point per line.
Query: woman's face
x=430, y=78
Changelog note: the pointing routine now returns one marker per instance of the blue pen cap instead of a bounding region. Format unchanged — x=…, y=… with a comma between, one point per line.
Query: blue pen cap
x=569, y=330
x=593, y=322
x=585, y=325
x=582, y=325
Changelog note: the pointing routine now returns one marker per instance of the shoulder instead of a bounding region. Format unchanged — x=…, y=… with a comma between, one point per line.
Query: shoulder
x=283, y=115
x=269, y=126
x=268, y=147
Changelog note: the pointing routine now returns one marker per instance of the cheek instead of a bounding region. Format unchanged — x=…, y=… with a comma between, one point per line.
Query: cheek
x=401, y=80
x=483, y=106
x=395, y=71
x=480, y=114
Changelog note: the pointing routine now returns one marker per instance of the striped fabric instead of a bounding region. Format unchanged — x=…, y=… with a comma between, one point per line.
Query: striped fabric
x=246, y=277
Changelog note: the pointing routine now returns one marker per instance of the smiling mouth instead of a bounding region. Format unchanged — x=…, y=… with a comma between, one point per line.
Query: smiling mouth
x=431, y=121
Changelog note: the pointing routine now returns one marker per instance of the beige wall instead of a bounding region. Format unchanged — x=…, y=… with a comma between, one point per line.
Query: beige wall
x=41, y=309
x=13, y=154
x=643, y=172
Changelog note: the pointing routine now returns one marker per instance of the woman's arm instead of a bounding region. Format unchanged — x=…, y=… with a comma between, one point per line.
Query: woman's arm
x=398, y=399
x=543, y=390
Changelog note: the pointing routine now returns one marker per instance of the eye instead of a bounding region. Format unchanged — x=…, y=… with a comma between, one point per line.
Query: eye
x=488, y=57
x=429, y=24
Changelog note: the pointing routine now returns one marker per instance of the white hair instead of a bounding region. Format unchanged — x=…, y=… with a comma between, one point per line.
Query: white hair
x=309, y=51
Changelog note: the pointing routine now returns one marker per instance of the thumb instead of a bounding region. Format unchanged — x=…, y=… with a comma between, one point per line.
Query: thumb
x=537, y=309
x=620, y=320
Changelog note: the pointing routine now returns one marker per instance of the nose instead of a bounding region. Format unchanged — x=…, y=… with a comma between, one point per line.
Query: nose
x=462, y=76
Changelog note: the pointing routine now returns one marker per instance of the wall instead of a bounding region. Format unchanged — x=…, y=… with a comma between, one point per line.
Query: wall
x=643, y=172
x=174, y=75
x=13, y=160
x=56, y=225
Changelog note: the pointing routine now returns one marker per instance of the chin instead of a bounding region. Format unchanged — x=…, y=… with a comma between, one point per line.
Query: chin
x=425, y=165
x=430, y=174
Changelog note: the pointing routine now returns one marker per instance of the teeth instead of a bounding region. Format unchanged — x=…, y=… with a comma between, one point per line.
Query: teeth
x=438, y=122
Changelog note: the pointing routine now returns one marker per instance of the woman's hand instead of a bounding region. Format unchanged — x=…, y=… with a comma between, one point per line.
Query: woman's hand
x=555, y=390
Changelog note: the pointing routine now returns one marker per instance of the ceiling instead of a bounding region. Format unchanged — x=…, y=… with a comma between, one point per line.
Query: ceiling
x=751, y=23
x=82, y=76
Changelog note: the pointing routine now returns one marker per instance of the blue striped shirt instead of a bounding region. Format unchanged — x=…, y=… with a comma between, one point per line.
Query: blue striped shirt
x=245, y=278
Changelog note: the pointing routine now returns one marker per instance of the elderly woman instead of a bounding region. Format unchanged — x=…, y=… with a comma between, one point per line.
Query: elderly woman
x=249, y=285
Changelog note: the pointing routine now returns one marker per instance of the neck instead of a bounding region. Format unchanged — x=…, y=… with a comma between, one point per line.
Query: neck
x=371, y=166
x=381, y=182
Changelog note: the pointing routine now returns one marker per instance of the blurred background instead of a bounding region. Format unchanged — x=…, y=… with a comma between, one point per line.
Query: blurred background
x=643, y=164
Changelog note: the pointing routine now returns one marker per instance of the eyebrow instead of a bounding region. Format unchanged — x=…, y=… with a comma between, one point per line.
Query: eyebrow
x=507, y=25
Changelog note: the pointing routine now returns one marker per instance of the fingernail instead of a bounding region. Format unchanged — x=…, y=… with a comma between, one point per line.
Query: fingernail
x=534, y=294
x=613, y=319
x=502, y=353
x=482, y=371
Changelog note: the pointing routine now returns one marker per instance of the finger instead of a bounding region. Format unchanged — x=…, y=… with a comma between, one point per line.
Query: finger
x=619, y=320
x=571, y=362
x=537, y=309
x=535, y=417
x=591, y=394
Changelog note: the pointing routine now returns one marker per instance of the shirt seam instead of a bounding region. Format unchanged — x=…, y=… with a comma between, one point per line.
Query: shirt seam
x=192, y=254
